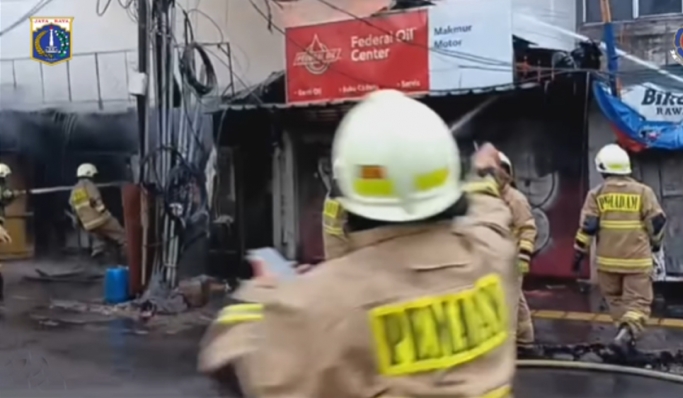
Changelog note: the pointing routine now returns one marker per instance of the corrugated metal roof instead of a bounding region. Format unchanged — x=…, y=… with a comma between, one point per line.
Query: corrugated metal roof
x=332, y=103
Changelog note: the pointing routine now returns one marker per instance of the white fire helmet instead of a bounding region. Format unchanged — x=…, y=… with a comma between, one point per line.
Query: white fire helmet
x=4, y=170
x=394, y=159
x=612, y=159
x=86, y=170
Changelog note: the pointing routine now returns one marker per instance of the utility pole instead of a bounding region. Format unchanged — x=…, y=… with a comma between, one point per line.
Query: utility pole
x=143, y=67
x=138, y=276
x=612, y=57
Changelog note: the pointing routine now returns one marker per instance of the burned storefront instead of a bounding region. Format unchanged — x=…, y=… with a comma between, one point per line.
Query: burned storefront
x=44, y=149
x=534, y=109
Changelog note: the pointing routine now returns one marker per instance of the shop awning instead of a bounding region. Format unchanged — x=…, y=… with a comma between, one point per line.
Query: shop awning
x=239, y=106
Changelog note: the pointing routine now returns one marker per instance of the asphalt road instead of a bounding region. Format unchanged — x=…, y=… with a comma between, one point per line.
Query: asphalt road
x=103, y=361
x=109, y=359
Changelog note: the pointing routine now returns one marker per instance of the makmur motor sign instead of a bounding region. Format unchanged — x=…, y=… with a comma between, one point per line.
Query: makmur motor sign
x=459, y=44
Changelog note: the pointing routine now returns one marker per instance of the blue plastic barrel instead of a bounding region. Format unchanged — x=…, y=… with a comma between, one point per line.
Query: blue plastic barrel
x=116, y=285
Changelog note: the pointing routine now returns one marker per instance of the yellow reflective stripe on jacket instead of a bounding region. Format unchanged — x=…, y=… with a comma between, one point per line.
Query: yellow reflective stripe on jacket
x=526, y=245
x=582, y=238
x=238, y=313
x=487, y=186
x=622, y=225
x=332, y=230
x=500, y=392
x=95, y=223
x=331, y=208
x=523, y=266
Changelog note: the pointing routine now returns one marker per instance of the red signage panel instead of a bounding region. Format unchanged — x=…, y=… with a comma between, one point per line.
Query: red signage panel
x=347, y=59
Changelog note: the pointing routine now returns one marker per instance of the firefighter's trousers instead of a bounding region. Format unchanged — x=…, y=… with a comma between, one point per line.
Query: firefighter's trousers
x=109, y=232
x=525, y=326
x=629, y=297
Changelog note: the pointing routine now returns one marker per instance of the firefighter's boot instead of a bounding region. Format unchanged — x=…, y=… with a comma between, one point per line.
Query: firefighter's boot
x=529, y=351
x=623, y=342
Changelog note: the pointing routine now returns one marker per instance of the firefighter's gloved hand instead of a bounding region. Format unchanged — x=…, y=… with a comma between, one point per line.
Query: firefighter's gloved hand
x=577, y=263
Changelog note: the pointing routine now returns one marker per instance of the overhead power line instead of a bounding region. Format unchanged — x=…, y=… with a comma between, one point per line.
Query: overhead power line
x=24, y=18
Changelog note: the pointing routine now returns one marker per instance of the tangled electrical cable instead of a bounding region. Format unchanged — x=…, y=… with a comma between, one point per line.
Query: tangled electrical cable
x=188, y=72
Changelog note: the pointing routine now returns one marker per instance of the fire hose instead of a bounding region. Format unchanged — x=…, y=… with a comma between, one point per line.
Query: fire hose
x=65, y=188
x=599, y=367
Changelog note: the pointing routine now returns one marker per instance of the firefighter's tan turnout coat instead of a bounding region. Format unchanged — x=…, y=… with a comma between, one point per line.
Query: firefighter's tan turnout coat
x=619, y=213
x=86, y=201
x=412, y=310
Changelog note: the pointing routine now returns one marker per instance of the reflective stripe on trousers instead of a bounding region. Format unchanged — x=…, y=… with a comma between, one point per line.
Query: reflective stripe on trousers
x=611, y=264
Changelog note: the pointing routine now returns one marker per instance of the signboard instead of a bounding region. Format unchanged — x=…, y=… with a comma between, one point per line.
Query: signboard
x=458, y=44
x=655, y=103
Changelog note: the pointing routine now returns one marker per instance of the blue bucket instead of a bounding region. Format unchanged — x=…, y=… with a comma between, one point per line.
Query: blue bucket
x=116, y=285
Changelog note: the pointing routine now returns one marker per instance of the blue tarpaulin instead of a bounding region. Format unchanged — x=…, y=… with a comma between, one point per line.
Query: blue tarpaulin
x=632, y=129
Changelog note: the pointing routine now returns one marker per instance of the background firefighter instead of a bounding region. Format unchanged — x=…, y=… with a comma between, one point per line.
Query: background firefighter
x=524, y=229
x=627, y=222
x=423, y=254
x=86, y=202
x=335, y=239
x=6, y=194
x=6, y=197
x=4, y=238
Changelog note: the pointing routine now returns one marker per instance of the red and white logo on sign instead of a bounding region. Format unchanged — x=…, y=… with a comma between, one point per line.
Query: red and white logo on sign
x=317, y=57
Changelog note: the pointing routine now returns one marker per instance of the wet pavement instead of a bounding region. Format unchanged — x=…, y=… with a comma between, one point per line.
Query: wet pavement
x=50, y=352
x=586, y=300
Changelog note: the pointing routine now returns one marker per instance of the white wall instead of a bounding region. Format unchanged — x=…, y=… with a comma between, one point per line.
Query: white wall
x=558, y=13
x=256, y=51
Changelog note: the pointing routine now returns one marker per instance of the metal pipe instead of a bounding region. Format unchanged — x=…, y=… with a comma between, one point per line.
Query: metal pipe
x=99, y=84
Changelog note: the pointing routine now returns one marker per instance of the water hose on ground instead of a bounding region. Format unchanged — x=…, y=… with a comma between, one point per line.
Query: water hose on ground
x=599, y=367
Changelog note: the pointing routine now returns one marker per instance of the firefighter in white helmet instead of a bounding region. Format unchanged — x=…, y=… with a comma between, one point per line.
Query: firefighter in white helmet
x=426, y=292
x=6, y=196
x=524, y=230
x=628, y=223
x=86, y=202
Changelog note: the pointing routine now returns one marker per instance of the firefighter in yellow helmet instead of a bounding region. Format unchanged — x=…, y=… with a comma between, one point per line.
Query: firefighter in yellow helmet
x=426, y=292
x=524, y=229
x=86, y=202
x=627, y=222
